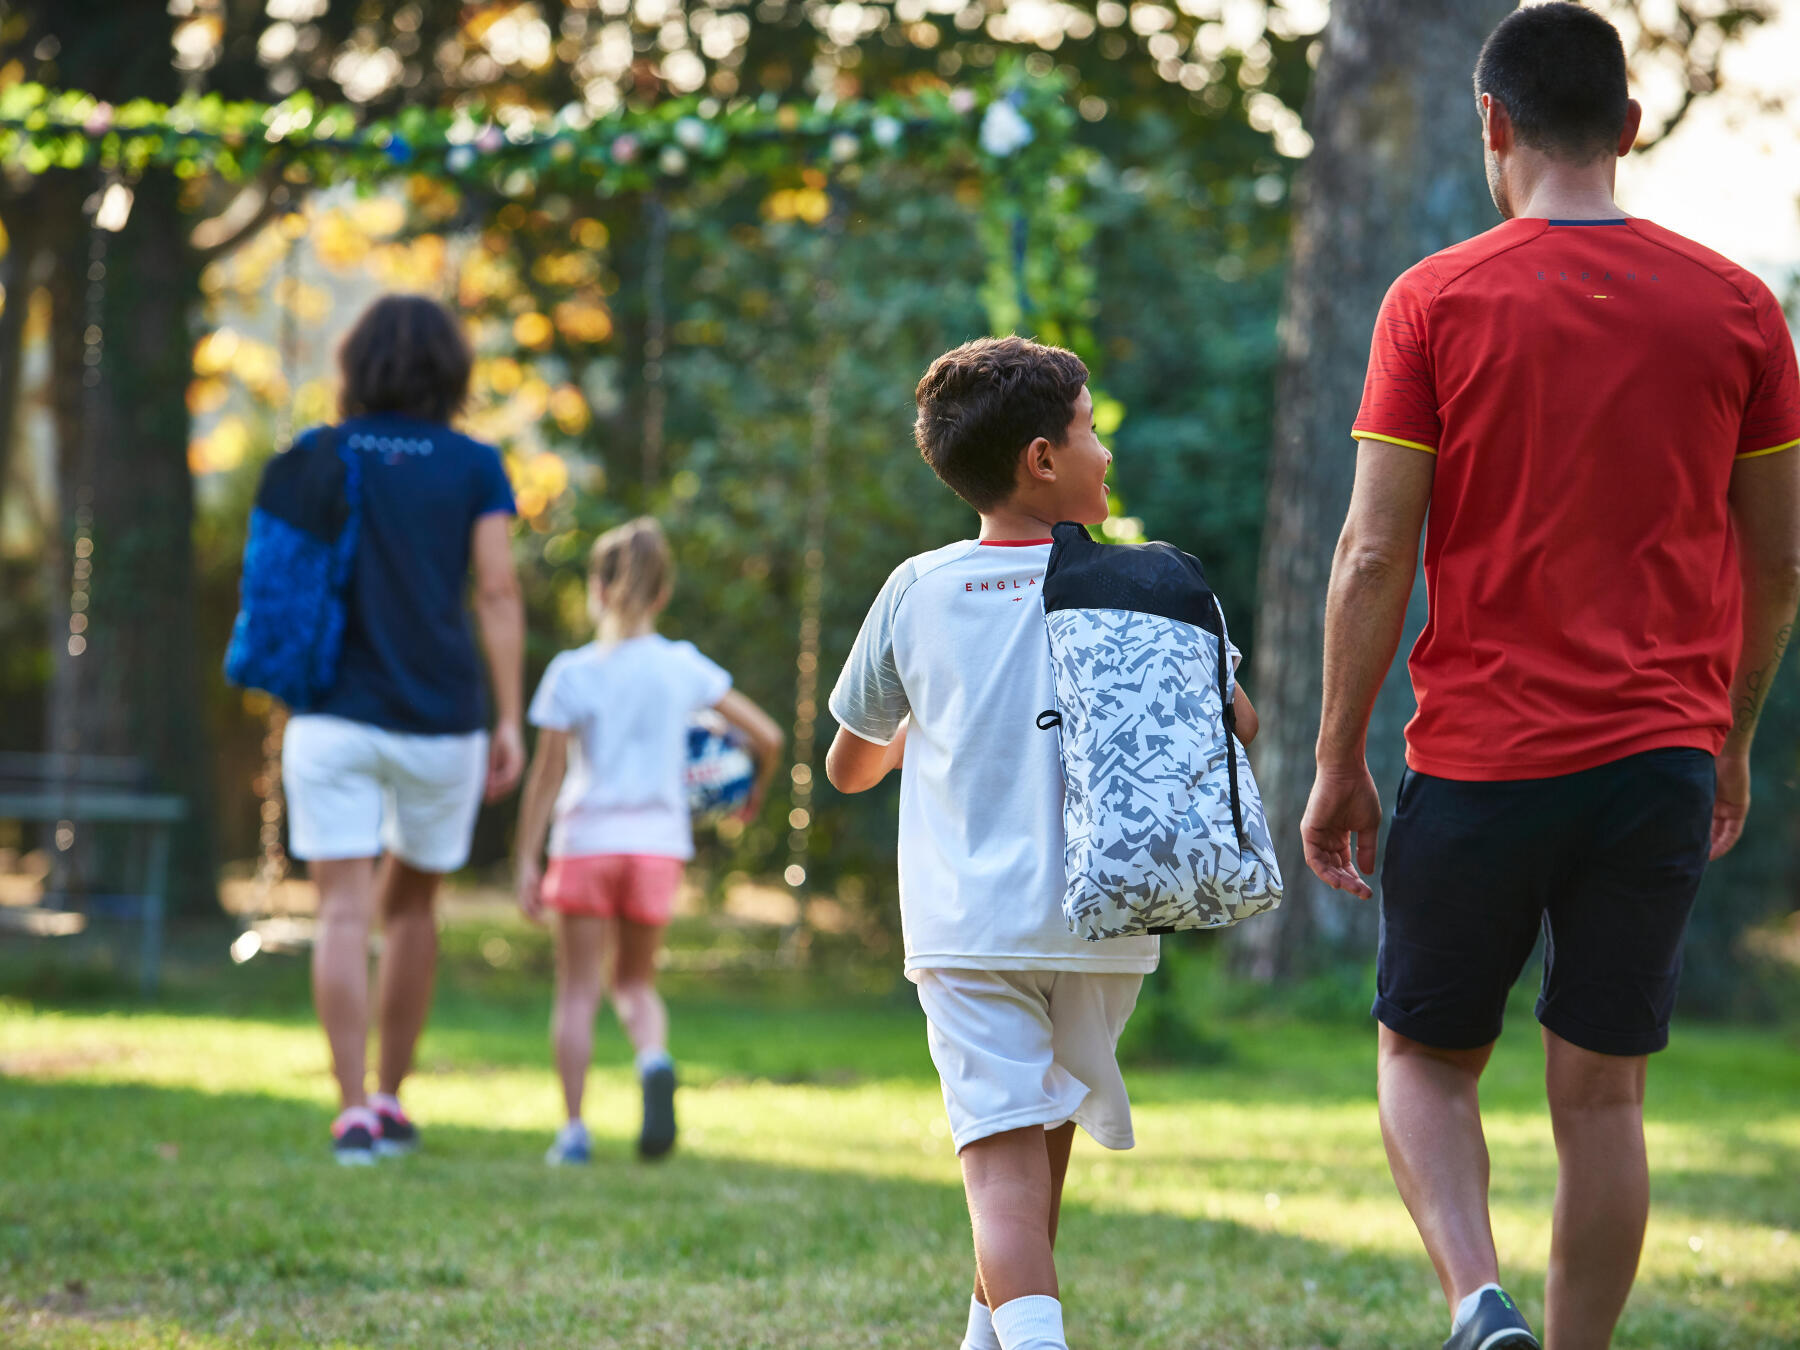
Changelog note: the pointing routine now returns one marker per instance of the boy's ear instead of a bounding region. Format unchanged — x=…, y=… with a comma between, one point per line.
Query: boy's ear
x=1039, y=461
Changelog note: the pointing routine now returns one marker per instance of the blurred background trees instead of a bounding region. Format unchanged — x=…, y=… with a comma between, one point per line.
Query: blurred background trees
x=685, y=352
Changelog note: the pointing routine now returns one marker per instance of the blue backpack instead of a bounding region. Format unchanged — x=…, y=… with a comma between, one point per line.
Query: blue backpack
x=297, y=562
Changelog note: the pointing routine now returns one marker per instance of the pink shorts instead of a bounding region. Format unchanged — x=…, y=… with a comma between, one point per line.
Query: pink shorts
x=636, y=887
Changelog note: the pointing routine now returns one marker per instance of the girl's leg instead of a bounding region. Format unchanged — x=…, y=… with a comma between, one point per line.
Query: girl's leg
x=634, y=997
x=580, y=944
x=340, y=968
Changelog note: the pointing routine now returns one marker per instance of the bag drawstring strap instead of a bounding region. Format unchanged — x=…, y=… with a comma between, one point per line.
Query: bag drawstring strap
x=1228, y=715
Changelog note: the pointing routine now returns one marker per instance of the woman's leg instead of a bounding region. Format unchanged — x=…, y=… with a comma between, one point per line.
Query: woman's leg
x=340, y=968
x=408, y=965
x=580, y=944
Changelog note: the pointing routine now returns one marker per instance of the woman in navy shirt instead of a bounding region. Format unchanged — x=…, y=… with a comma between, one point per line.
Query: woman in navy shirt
x=384, y=777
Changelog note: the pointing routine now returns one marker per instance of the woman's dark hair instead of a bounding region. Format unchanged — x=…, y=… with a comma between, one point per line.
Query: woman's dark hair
x=405, y=355
x=1559, y=71
x=984, y=402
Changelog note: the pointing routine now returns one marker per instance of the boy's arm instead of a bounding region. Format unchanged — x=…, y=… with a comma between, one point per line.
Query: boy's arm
x=541, y=787
x=855, y=765
x=765, y=745
x=1245, y=715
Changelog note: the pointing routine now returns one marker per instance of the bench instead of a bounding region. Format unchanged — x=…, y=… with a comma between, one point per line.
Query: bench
x=89, y=790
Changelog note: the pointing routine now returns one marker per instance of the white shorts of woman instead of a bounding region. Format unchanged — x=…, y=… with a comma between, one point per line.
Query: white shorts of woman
x=1016, y=1048
x=356, y=791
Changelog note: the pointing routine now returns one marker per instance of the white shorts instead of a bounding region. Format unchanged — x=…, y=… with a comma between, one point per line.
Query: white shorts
x=355, y=790
x=1029, y=1047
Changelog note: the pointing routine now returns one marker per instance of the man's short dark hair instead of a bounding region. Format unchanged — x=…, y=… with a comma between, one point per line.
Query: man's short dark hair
x=405, y=355
x=984, y=402
x=1559, y=71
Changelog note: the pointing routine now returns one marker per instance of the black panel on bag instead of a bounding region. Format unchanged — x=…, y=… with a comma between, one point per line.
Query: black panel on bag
x=1147, y=578
x=305, y=487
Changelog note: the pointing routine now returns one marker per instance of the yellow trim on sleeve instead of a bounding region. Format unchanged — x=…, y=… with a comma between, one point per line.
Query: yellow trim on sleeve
x=1395, y=440
x=1772, y=450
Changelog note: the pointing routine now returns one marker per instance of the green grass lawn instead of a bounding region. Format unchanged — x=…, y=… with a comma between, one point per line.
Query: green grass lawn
x=164, y=1181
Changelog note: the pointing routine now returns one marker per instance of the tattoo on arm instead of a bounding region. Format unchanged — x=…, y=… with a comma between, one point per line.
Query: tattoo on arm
x=1756, y=685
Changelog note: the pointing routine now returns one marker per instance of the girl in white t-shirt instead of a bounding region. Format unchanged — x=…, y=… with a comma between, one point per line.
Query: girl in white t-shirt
x=611, y=755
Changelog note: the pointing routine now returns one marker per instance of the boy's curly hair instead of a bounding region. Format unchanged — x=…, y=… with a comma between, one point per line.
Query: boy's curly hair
x=984, y=402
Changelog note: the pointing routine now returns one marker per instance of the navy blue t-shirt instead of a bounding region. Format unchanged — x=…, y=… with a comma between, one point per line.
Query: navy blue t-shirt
x=409, y=661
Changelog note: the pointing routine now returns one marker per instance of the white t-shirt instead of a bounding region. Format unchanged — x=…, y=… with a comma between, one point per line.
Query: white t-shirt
x=628, y=705
x=957, y=639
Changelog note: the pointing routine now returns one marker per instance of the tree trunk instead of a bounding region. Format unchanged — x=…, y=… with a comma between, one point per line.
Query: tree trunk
x=134, y=686
x=1395, y=174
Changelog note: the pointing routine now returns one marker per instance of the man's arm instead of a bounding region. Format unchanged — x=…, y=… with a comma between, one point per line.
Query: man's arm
x=856, y=765
x=1765, y=515
x=1365, y=610
x=500, y=611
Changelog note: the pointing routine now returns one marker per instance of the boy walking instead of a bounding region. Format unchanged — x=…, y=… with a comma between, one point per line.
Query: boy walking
x=949, y=674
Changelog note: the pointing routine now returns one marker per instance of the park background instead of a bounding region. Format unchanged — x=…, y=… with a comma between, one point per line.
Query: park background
x=1213, y=196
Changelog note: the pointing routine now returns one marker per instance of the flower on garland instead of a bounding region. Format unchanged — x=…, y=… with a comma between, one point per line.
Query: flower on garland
x=1004, y=131
x=625, y=148
x=489, y=139
x=672, y=161
x=459, y=158
x=691, y=132
x=844, y=147
x=99, y=121
x=887, y=131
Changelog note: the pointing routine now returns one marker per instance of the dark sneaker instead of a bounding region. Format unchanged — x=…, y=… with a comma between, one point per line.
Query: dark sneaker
x=571, y=1147
x=396, y=1134
x=1496, y=1325
x=658, y=1135
x=353, y=1137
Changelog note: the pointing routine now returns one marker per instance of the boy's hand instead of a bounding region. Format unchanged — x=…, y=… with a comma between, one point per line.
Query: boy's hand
x=530, y=889
x=1343, y=802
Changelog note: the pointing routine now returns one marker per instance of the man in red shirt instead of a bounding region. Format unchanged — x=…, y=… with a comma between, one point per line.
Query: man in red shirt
x=1600, y=417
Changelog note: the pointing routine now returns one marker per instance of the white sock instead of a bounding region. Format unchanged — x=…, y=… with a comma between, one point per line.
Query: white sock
x=571, y=1130
x=1030, y=1323
x=1466, y=1309
x=385, y=1101
x=653, y=1059
x=980, y=1335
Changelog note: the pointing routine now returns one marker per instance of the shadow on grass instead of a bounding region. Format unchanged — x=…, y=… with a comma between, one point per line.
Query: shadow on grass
x=131, y=1213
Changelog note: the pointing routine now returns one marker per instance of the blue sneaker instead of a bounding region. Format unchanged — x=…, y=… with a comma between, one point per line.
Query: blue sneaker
x=1496, y=1324
x=571, y=1148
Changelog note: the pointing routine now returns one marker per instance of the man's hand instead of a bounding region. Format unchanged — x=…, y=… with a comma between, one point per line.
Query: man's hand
x=1343, y=802
x=506, y=760
x=1731, y=803
x=530, y=886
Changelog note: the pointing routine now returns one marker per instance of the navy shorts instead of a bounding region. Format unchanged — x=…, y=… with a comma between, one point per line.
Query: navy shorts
x=1605, y=861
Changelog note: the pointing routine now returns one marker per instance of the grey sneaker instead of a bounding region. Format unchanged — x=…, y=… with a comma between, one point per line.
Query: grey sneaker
x=658, y=1135
x=1497, y=1324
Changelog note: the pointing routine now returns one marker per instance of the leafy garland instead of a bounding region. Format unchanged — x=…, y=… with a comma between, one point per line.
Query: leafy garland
x=1013, y=131
x=1018, y=122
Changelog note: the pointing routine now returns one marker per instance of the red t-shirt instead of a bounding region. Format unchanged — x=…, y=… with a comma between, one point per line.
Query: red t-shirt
x=1586, y=388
